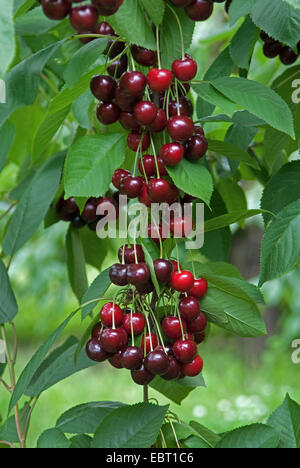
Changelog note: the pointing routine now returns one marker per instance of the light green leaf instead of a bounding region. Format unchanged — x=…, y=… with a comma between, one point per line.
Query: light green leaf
x=7, y=36
x=157, y=13
x=286, y=420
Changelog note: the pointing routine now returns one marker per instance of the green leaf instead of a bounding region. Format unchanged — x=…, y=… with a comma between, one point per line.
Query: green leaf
x=84, y=60
x=170, y=43
x=95, y=291
x=192, y=178
x=242, y=44
x=130, y=22
x=254, y=436
x=232, y=151
x=81, y=109
x=280, y=249
x=58, y=366
x=86, y=417
x=53, y=438
x=228, y=219
x=34, y=23
x=22, y=81
x=34, y=363
x=8, y=303
x=81, y=441
x=177, y=390
x=76, y=263
x=156, y=14
x=34, y=204
x=233, y=195
x=238, y=9
x=90, y=163
x=286, y=420
x=7, y=134
x=8, y=430
x=95, y=249
x=208, y=93
x=208, y=437
x=135, y=426
x=7, y=37
x=281, y=190
x=222, y=66
x=258, y=100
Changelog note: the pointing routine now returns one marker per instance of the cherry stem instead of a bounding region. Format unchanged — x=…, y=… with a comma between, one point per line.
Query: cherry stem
x=180, y=30
x=155, y=157
x=149, y=330
x=177, y=257
x=180, y=321
x=158, y=48
x=131, y=326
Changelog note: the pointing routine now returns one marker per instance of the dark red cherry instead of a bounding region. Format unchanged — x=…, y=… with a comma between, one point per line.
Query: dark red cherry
x=159, y=123
x=77, y=222
x=189, y=308
x=183, y=106
x=199, y=289
x=108, y=114
x=199, y=337
x=115, y=48
x=174, y=369
x=181, y=3
x=145, y=288
x=161, y=166
x=97, y=330
x=138, y=273
x=147, y=165
x=115, y=359
x=137, y=320
x=105, y=29
x=185, y=69
x=107, y=206
x=182, y=281
x=199, y=130
x=181, y=226
x=157, y=362
x=163, y=269
x=145, y=112
x=106, y=7
x=118, y=176
x=103, y=87
x=56, y=9
x=131, y=186
x=158, y=190
x=118, y=274
x=143, y=56
x=171, y=327
x=110, y=310
x=144, y=197
x=148, y=340
x=194, y=368
x=272, y=48
x=176, y=265
x=155, y=233
x=172, y=195
x=200, y=10
x=184, y=350
x=287, y=56
x=159, y=79
x=172, y=153
x=128, y=121
x=118, y=67
x=132, y=358
x=89, y=212
x=180, y=127
x=142, y=376
x=131, y=254
x=135, y=141
x=198, y=324
x=125, y=102
x=95, y=351
x=112, y=340
x=133, y=83
x=84, y=18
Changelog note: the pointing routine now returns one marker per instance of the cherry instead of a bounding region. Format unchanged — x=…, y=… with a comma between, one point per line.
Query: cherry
x=138, y=273
x=77, y=222
x=180, y=127
x=198, y=324
x=287, y=56
x=156, y=232
x=97, y=330
x=158, y=190
x=184, y=350
x=118, y=274
x=66, y=209
x=147, y=165
x=133, y=83
x=172, y=153
x=182, y=281
x=199, y=130
x=181, y=3
x=193, y=368
x=118, y=67
x=157, y=362
x=272, y=48
x=138, y=323
x=189, y=308
x=195, y=148
x=171, y=327
x=123, y=101
x=106, y=7
x=163, y=270
x=185, y=69
x=174, y=369
x=200, y=10
x=108, y=113
x=142, y=376
x=228, y=3
x=105, y=29
x=112, y=340
x=128, y=121
x=169, y=348
x=144, y=197
x=95, y=351
x=107, y=206
x=115, y=359
x=143, y=56
x=159, y=79
x=108, y=311
x=199, y=337
x=145, y=288
x=148, y=340
x=56, y=9
x=199, y=289
x=131, y=254
x=131, y=186
x=159, y=123
x=132, y=358
x=176, y=265
x=84, y=18
x=103, y=87
x=161, y=166
x=181, y=226
x=136, y=141
x=89, y=212
x=183, y=106
x=145, y=112
x=172, y=195
x=118, y=176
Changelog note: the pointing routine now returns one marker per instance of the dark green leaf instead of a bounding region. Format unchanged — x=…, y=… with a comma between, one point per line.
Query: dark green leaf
x=95, y=291
x=254, y=436
x=177, y=390
x=7, y=37
x=81, y=441
x=53, y=438
x=76, y=263
x=286, y=420
x=8, y=303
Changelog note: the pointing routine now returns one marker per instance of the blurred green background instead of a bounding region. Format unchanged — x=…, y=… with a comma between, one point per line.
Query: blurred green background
x=246, y=379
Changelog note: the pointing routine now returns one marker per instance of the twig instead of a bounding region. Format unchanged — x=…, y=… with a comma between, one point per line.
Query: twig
x=5, y=385
x=5, y=442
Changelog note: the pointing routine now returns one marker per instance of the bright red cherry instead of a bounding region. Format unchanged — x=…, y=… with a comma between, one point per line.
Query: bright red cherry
x=143, y=56
x=148, y=340
x=189, y=308
x=95, y=351
x=112, y=340
x=118, y=176
x=196, y=147
x=138, y=273
x=158, y=190
x=84, y=18
x=159, y=79
x=184, y=350
x=159, y=123
x=133, y=83
x=199, y=289
x=147, y=165
x=172, y=153
x=132, y=358
x=157, y=362
x=198, y=324
x=193, y=368
x=118, y=275
x=108, y=311
x=163, y=270
x=131, y=186
x=200, y=10
x=108, y=113
x=185, y=69
x=145, y=112
x=131, y=254
x=142, y=376
x=180, y=127
x=103, y=87
x=182, y=281
x=171, y=327
x=138, y=323
x=56, y=9
x=136, y=141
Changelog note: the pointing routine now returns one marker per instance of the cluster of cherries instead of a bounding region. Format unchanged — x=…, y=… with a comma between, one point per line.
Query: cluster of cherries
x=168, y=344
x=68, y=210
x=199, y=10
x=83, y=18
x=273, y=48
